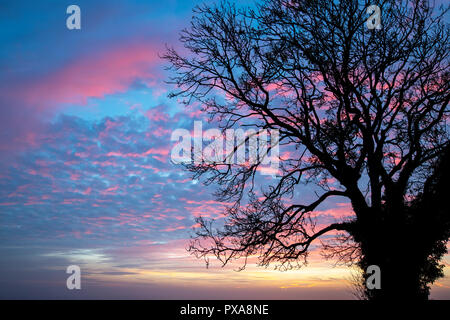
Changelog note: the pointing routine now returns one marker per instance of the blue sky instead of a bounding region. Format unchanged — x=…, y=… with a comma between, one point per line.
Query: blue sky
x=85, y=174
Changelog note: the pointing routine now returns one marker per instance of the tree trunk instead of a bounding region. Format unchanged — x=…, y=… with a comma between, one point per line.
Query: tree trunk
x=403, y=253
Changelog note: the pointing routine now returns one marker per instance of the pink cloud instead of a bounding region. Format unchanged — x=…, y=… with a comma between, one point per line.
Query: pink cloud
x=174, y=228
x=157, y=115
x=342, y=210
x=152, y=151
x=97, y=75
x=110, y=191
x=107, y=71
x=87, y=191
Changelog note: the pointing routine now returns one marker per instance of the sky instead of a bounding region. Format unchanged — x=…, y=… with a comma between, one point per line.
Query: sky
x=85, y=171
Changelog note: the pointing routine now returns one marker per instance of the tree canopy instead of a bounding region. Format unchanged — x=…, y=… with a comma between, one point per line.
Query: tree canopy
x=365, y=111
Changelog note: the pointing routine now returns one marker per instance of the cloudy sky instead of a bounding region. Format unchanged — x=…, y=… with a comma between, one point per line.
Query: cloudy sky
x=85, y=170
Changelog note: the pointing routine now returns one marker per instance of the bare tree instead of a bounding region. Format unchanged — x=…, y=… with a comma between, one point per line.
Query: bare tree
x=367, y=108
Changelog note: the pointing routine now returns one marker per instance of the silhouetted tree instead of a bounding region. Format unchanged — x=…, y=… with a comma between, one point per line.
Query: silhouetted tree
x=367, y=108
